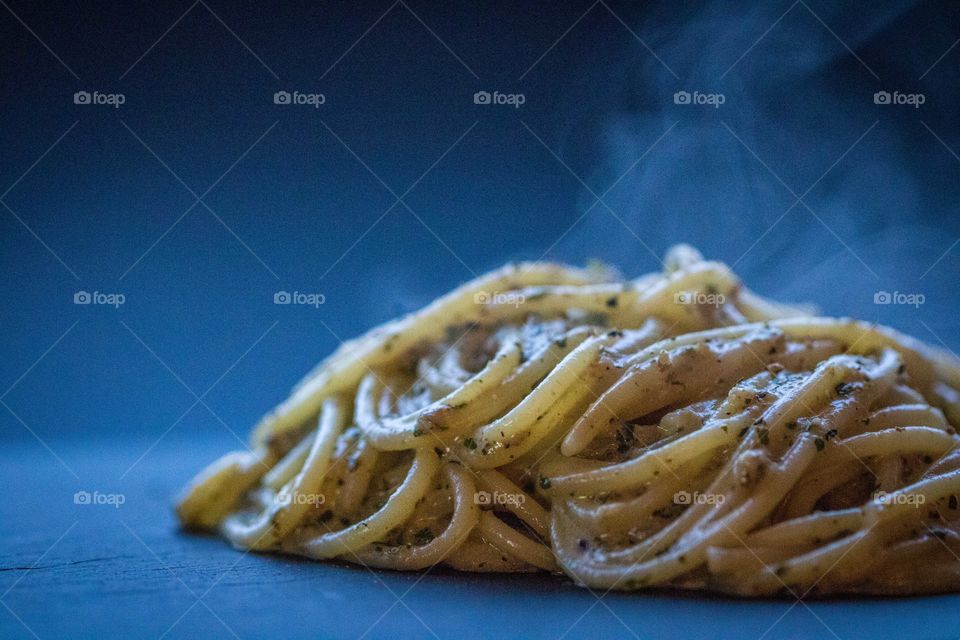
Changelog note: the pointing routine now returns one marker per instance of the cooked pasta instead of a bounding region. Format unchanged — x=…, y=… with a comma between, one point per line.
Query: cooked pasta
x=675, y=430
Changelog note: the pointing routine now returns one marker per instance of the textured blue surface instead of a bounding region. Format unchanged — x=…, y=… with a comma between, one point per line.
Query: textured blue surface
x=198, y=199
x=127, y=572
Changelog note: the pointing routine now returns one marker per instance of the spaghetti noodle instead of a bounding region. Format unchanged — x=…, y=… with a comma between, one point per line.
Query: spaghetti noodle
x=673, y=430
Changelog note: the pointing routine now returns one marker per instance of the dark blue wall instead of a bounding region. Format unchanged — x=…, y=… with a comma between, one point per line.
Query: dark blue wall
x=300, y=198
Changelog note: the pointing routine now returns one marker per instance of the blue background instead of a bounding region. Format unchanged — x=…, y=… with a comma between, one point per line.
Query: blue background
x=813, y=191
x=300, y=212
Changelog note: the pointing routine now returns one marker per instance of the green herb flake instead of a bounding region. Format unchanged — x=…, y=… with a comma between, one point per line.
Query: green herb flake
x=764, y=435
x=423, y=536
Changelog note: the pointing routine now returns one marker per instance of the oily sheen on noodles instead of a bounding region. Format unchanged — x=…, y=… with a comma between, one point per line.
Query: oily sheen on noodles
x=672, y=430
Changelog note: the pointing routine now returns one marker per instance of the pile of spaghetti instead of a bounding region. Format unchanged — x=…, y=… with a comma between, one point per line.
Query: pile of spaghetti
x=673, y=430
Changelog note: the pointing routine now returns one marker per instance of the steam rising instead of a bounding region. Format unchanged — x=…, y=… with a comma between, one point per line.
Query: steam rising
x=803, y=103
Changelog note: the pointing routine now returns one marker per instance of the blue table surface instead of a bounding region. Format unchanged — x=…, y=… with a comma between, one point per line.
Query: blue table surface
x=95, y=570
